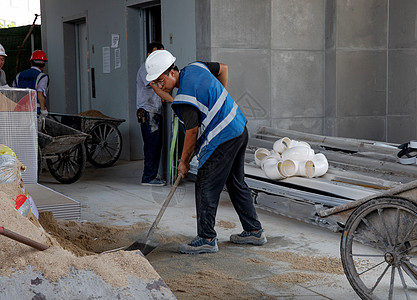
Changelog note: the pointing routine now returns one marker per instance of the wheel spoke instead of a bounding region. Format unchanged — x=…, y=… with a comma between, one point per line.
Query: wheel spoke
x=100, y=130
x=371, y=268
x=374, y=231
x=397, y=217
x=403, y=283
x=413, y=227
x=368, y=255
x=380, y=278
x=108, y=151
x=380, y=210
x=391, y=285
x=98, y=154
x=104, y=146
x=111, y=148
x=369, y=243
x=109, y=132
x=410, y=269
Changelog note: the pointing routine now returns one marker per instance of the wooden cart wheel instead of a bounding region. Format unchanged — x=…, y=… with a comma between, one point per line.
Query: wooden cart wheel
x=104, y=146
x=379, y=249
x=67, y=167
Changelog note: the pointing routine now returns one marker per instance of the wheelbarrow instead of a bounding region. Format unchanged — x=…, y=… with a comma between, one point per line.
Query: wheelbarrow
x=63, y=148
x=104, y=143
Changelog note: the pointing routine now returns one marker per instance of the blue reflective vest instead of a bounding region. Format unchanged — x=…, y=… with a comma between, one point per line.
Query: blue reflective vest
x=221, y=118
x=29, y=79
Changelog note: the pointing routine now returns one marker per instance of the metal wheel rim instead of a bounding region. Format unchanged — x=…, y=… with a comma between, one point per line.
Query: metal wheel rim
x=66, y=165
x=387, y=268
x=104, y=146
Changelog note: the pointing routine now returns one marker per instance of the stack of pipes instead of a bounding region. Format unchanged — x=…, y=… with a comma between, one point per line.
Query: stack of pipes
x=291, y=158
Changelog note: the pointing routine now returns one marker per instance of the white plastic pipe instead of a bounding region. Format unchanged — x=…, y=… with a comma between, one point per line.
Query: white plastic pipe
x=270, y=159
x=295, y=143
x=260, y=153
x=298, y=153
x=281, y=145
x=316, y=167
x=289, y=168
x=272, y=171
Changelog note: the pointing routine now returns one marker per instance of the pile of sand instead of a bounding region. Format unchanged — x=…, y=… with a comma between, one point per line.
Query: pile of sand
x=94, y=113
x=56, y=262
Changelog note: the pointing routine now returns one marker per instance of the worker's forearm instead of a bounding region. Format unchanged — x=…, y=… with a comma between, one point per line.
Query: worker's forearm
x=189, y=144
x=164, y=95
x=41, y=99
x=187, y=151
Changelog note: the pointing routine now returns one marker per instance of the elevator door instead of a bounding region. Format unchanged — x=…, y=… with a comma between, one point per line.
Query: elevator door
x=83, y=95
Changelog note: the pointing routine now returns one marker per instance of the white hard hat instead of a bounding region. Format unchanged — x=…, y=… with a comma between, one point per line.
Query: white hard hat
x=2, y=51
x=157, y=63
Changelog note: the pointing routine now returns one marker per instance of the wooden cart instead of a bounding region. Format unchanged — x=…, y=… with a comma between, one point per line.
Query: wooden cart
x=104, y=143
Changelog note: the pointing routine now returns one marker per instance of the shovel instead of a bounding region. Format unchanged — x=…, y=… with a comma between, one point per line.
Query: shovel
x=22, y=239
x=146, y=246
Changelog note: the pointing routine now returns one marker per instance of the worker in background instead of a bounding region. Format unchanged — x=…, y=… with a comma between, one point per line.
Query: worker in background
x=149, y=114
x=33, y=78
x=3, y=81
x=215, y=129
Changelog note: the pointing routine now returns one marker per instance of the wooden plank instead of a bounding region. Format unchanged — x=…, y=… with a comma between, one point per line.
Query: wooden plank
x=335, y=188
x=349, y=144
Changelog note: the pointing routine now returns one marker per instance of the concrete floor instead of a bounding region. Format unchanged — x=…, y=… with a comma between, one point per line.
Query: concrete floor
x=113, y=196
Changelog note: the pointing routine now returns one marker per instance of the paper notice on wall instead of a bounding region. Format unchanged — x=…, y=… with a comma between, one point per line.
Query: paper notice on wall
x=115, y=40
x=106, y=59
x=117, y=62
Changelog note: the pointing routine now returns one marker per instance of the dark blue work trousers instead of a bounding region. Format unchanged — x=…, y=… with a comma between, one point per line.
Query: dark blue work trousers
x=224, y=166
x=152, y=144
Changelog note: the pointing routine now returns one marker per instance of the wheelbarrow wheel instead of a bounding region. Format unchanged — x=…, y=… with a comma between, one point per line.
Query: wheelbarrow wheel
x=379, y=249
x=104, y=146
x=67, y=167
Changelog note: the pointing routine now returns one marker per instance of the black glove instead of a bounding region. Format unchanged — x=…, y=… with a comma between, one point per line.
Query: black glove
x=140, y=114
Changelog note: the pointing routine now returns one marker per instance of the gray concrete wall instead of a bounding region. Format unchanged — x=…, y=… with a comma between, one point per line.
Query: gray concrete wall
x=275, y=53
x=356, y=104
x=402, y=71
x=344, y=68
x=318, y=66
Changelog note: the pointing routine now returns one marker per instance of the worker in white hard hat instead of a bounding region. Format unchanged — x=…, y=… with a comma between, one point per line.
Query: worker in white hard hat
x=215, y=130
x=35, y=79
x=3, y=81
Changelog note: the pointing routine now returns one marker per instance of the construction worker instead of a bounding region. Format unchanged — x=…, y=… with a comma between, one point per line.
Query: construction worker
x=149, y=115
x=33, y=78
x=215, y=129
x=3, y=81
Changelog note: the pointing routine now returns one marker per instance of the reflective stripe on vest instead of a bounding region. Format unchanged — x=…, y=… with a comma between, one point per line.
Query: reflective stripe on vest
x=221, y=119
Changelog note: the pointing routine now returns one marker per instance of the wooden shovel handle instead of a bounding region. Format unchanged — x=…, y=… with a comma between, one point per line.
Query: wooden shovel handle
x=164, y=206
x=22, y=239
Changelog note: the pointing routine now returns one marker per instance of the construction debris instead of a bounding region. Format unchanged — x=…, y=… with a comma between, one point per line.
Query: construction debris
x=57, y=273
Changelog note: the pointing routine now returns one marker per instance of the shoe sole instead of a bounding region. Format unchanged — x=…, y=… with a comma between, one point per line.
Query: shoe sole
x=200, y=251
x=256, y=243
x=153, y=184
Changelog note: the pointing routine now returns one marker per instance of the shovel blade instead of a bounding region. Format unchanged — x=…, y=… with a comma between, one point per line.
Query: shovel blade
x=145, y=247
